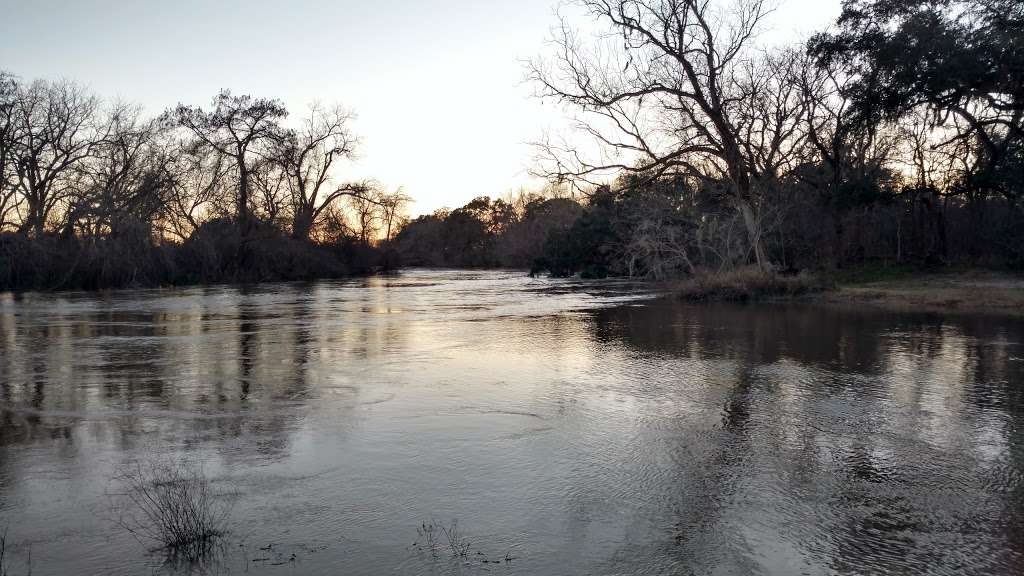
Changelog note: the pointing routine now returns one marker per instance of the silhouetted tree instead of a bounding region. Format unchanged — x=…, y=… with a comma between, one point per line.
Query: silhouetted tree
x=308, y=156
x=963, y=60
x=366, y=215
x=56, y=129
x=200, y=177
x=272, y=198
x=9, y=199
x=393, y=212
x=176, y=199
x=523, y=242
x=421, y=241
x=675, y=89
x=127, y=181
x=241, y=128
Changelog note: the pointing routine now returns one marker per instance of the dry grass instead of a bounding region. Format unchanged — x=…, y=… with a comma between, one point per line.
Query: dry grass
x=429, y=539
x=173, y=504
x=749, y=283
x=969, y=292
x=966, y=291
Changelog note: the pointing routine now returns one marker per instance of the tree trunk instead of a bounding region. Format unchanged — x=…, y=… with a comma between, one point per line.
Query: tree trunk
x=35, y=222
x=742, y=194
x=302, y=224
x=242, y=207
x=753, y=226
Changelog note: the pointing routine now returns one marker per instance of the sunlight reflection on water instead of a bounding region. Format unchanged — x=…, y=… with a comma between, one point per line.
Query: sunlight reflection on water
x=579, y=425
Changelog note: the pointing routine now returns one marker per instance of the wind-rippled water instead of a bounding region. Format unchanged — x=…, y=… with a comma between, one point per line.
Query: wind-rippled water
x=575, y=427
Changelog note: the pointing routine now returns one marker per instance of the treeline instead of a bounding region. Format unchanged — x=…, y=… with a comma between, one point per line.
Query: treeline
x=486, y=233
x=897, y=136
x=95, y=194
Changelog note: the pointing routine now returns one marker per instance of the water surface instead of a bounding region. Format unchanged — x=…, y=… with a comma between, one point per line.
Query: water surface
x=576, y=427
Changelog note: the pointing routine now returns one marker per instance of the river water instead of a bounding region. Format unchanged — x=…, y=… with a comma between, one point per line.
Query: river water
x=571, y=427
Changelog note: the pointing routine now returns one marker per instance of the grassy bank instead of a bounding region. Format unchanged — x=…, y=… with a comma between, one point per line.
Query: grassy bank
x=903, y=288
x=955, y=290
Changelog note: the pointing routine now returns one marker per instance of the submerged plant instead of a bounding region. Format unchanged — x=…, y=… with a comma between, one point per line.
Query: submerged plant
x=457, y=542
x=426, y=539
x=173, y=503
x=3, y=553
x=4, y=568
x=429, y=536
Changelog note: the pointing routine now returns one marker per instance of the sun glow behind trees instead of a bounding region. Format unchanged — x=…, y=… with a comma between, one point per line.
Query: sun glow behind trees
x=436, y=83
x=685, y=119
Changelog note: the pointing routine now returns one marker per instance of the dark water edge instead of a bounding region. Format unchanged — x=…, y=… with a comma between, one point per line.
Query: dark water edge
x=576, y=427
x=217, y=253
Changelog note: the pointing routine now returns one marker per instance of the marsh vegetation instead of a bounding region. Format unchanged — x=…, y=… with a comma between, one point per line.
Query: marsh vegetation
x=173, y=505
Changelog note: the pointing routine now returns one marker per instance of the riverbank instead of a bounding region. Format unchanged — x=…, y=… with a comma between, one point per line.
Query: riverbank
x=894, y=288
x=967, y=290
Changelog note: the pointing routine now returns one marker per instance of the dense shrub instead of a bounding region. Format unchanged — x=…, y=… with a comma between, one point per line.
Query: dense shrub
x=749, y=283
x=216, y=252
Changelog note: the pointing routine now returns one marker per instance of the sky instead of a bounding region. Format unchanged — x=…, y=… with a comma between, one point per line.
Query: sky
x=437, y=85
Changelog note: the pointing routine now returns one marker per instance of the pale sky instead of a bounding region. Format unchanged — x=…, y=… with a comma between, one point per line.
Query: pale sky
x=437, y=84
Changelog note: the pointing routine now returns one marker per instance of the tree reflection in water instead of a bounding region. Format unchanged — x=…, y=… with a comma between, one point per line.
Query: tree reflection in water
x=588, y=432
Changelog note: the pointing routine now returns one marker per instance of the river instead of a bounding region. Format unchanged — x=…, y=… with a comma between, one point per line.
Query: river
x=568, y=426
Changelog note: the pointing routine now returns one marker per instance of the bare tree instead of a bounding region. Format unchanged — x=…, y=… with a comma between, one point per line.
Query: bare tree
x=128, y=179
x=332, y=227
x=309, y=156
x=848, y=148
x=659, y=239
x=55, y=130
x=272, y=198
x=668, y=91
x=9, y=199
x=769, y=116
x=393, y=212
x=200, y=176
x=240, y=128
x=367, y=211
